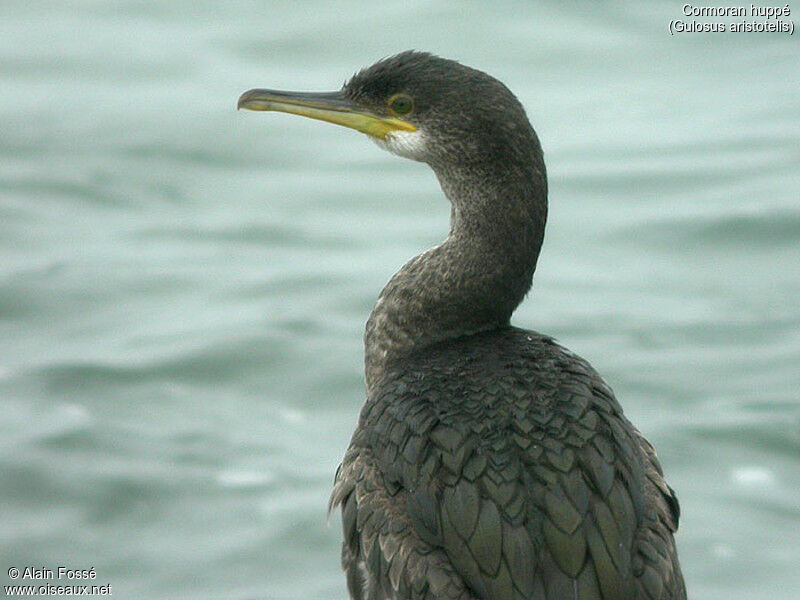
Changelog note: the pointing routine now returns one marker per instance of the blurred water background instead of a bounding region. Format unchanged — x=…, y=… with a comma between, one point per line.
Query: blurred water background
x=183, y=288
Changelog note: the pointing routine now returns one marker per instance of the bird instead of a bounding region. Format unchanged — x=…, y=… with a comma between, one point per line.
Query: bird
x=489, y=462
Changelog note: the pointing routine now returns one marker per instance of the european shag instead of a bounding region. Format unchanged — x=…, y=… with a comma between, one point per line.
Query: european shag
x=489, y=461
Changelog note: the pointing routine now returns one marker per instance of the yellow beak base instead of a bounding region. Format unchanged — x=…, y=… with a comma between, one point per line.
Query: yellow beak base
x=332, y=107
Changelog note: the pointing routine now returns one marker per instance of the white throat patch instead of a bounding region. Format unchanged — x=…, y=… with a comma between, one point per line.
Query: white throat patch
x=408, y=144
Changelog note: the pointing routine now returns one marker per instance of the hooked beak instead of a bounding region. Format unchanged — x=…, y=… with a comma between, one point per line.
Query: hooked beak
x=332, y=107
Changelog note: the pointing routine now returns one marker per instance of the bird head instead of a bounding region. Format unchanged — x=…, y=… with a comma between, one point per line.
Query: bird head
x=418, y=106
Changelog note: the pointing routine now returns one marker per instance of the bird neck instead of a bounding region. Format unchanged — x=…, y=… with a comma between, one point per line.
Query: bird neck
x=474, y=280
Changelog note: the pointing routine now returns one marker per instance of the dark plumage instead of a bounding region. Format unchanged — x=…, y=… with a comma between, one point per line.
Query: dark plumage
x=488, y=462
x=502, y=467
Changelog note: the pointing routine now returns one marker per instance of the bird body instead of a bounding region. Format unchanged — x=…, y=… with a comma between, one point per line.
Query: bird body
x=488, y=462
x=501, y=466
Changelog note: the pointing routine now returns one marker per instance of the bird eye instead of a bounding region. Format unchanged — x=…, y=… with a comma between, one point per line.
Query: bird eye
x=401, y=104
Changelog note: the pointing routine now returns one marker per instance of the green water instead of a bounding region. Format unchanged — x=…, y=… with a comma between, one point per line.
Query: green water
x=183, y=288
